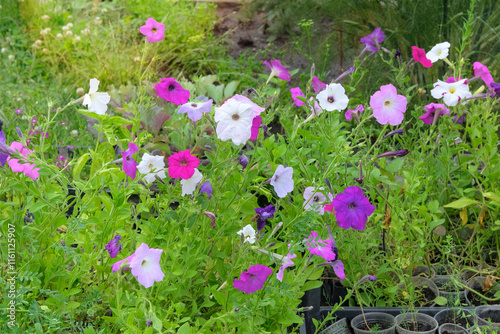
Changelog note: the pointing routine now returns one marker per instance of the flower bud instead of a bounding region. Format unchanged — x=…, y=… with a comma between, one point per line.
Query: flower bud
x=80, y=91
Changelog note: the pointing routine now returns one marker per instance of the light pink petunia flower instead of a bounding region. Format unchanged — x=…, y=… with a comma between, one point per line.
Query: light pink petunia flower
x=154, y=31
x=286, y=262
x=145, y=265
x=257, y=110
x=388, y=106
x=277, y=70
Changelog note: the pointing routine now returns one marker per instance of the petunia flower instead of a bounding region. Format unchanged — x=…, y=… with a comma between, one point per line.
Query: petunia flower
x=282, y=181
x=439, y=51
x=253, y=279
x=234, y=121
x=420, y=56
x=152, y=166
x=451, y=93
x=431, y=110
x=264, y=214
x=317, y=85
x=373, y=40
x=145, y=265
x=350, y=113
x=28, y=169
x=206, y=187
x=18, y=111
x=333, y=97
x=295, y=93
x=248, y=234
x=285, y=263
x=182, y=164
x=189, y=185
x=195, y=110
x=495, y=87
x=392, y=133
x=154, y=31
x=483, y=72
x=96, y=101
x=5, y=151
x=277, y=70
x=352, y=208
x=129, y=164
x=314, y=200
x=172, y=91
x=366, y=279
x=114, y=247
x=338, y=268
x=401, y=153
x=257, y=121
x=257, y=110
x=212, y=218
x=243, y=161
x=324, y=248
x=61, y=162
x=388, y=106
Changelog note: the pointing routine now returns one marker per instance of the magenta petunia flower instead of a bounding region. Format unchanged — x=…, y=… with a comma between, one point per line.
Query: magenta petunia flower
x=145, y=265
x=206, y=187
x=297, y=92
x=431, y=110
x=373, y=40
x=286, y=262
x=257, y=121
x=129, y=164
x=317, y=85
x=282, y=181
x=277, y=70
x=420, y=56
x=172, y=91
x=483, y=72
x=352, y=208
x=18, y=111
x=61, y=162
x=182, y=164
x=388, y=106
x=324, y=248
x=154, y=31
x=349, y=113
x=264, y=214
x=253, y=279
x=28, y=169
x=114, y=246
x=195, y=110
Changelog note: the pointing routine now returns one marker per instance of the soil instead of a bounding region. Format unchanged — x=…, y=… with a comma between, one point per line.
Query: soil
x=416, y=327
x=375, y=326
x=426, y=297
x=458, y=320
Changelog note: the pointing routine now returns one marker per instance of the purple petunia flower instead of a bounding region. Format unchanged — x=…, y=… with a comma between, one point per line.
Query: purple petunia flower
x=495, y=87
x=195, y=110
x=206, y=187
x=172, y=91
x=401, y=153
x=257, y=121
x=253, y=279
x=373, y=40
x=129, y=164
x=277, y=70
x=324, y=248
x=367, y=278
x=282, y=181
x=295, y=93
x=392, y=133
x=114, y=246
x=264, y=215
x=243, y=161
x=431, y=110
x=352, y=208
x=4, y=149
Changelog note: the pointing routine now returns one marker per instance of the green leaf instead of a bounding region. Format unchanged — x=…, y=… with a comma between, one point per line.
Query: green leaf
x=316, y=273
x=184, y=329
x=157, y=324
x=79, y=166
x=461, y=203
x=441, y=300
x=311, y=285
x=394, y=166
x=230, y=88
x=492, y=196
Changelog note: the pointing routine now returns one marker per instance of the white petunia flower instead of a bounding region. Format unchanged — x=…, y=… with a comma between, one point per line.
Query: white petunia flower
x=451, y=93
x=333, y=97
x=189, y=185
x=248, y=234
x=439, y=51
x=152, y=166
x=96, y=102
x=234, y=121
x=282, y=181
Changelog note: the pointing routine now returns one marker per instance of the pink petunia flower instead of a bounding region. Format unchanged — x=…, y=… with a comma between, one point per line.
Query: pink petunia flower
x=257, y=110
x=172, y=91
x=431, y=110
x=182, y=164
x=317, y=85
x=154, y=31
x=350, y=113
x=129, y=164
x=323, y=248
x=286, y=262
x=295, y=93
x=253, y=279
x=388, y=106
x=420, y=56
x=483, y=72
x=28, y=169
x=257, y=121
x=277, y=70
x=18, y=111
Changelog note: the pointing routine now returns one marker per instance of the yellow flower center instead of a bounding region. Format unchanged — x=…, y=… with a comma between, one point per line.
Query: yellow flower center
x=386, y=103
x=452, y=90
